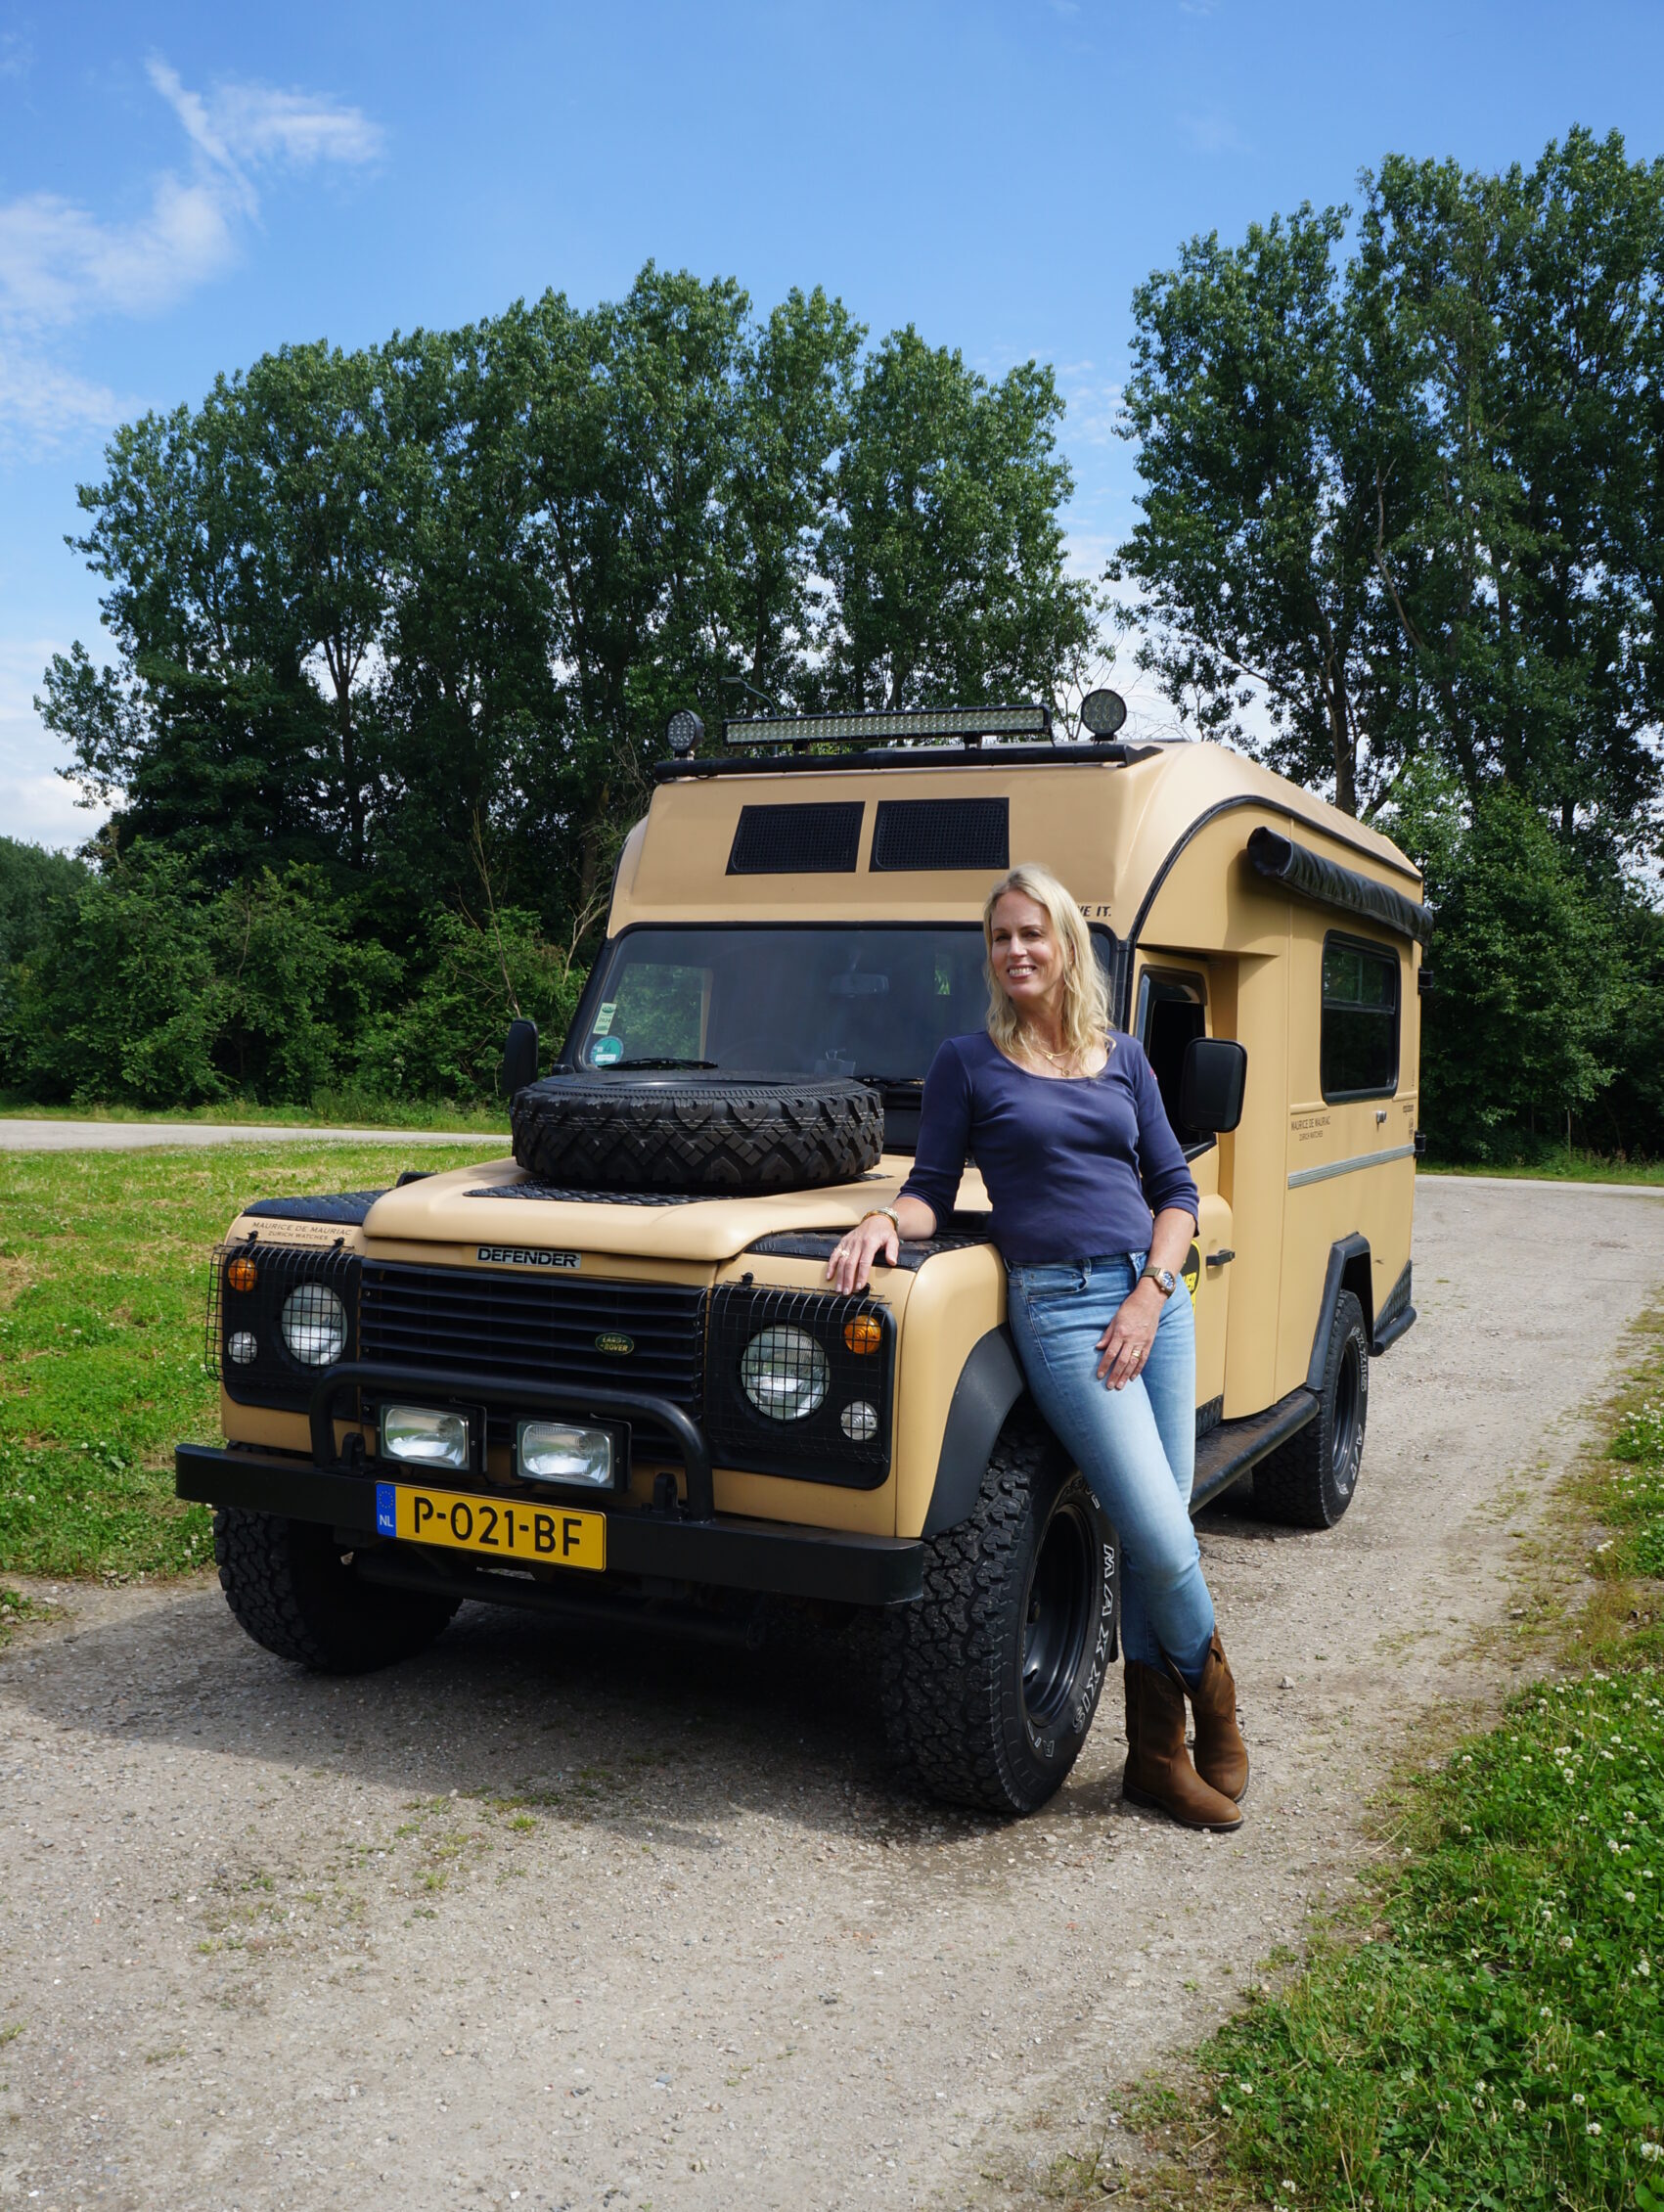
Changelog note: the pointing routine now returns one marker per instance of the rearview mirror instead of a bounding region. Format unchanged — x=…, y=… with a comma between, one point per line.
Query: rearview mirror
x=519, y=1057
x=1210, y=1087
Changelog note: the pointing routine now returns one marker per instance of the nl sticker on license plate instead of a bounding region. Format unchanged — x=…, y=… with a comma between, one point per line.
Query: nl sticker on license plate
x=499, y=1528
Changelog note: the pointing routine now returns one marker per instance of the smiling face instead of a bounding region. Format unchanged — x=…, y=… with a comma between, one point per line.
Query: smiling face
x=1026, y=958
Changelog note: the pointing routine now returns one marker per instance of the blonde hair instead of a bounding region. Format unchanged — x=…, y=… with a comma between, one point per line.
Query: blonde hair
x=1086, y=997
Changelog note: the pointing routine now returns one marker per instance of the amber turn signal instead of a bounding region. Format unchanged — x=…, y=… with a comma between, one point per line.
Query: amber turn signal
x=863, y=1335
x=242, y=1275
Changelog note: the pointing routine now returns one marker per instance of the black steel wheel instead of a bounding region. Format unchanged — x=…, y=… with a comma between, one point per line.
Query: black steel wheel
x=991, y=1681
x=294, y=1590
x=1309, y=1482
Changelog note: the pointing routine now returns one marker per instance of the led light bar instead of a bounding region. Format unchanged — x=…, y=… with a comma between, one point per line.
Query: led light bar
x=921, y=722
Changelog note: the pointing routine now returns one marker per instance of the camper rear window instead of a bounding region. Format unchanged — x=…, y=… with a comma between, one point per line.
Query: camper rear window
x=1360, y=1021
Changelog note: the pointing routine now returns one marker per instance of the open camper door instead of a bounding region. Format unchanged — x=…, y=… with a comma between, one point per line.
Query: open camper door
x=1173, y=1002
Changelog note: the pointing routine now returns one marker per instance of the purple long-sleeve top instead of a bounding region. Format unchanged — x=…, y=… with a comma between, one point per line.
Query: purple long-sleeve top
x=1075, y=1169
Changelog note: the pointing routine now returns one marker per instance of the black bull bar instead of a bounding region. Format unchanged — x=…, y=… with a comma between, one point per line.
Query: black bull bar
x=689, y=1542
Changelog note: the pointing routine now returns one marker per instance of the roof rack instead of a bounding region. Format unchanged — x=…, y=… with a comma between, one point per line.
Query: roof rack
x=864, y=761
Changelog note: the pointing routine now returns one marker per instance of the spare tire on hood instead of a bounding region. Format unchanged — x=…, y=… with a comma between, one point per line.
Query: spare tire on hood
x=695, y=1132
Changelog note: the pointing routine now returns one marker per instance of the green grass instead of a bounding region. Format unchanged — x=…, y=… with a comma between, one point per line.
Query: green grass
x=1558, y=1167
x=102, y=1291
x=1487, y=2029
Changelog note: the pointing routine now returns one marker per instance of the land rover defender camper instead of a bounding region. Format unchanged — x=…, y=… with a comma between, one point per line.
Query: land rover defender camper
x=607, y=1375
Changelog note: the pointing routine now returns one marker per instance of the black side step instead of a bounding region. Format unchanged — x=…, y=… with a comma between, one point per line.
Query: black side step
x=1234, y=1446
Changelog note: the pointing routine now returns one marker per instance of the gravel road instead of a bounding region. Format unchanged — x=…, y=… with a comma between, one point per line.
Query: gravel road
x=21, y=1133
x=523, y=1923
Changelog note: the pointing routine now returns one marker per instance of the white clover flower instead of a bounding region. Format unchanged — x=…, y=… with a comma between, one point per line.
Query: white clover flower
x=1594, y=2128
x=1519, y=2104
x=1650, y=2149
x=1577, y=2097
x=1643, y=1967
x=1565, y=1943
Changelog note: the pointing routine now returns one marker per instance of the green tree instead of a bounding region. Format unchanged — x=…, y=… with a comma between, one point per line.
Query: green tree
x=945, y=547
x=1530, y=985
x=1255, y=547
x=1411, y=498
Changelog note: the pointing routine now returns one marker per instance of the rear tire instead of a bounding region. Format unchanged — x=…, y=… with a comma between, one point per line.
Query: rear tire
x=990, y=1682
x=1309, y=1482
x=288, y=1585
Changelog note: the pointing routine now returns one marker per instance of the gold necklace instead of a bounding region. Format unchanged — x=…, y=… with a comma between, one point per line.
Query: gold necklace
x=1056, y=1059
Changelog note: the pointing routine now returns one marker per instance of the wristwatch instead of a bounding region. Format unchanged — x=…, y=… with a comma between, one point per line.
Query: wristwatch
x=889, y=1214
x=1164, y=1279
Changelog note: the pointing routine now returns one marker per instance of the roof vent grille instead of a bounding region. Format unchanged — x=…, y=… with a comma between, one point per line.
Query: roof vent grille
x=943, y=833
x=821, y=838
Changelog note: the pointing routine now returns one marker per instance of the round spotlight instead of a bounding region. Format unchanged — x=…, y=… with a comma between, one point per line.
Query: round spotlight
x=785, y=1372
x=241, y=1348
x=313, y=1322
x=859, y=1422
x=1103, y=712
x=686, y=731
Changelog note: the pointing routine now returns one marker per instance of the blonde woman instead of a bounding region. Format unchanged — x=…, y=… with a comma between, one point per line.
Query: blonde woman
x=1094, y=1209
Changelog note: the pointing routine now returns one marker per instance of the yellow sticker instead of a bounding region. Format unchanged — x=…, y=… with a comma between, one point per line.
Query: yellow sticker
x=1192, y=1272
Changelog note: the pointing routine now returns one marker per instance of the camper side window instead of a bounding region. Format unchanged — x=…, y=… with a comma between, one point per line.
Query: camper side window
x=1359, y=1050
x=1172, y=1010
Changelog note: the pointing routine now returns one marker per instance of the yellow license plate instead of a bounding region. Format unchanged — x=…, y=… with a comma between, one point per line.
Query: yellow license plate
x=498, y=1528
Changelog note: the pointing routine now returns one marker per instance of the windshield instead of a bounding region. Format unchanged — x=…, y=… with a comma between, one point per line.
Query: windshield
x=835, y=1000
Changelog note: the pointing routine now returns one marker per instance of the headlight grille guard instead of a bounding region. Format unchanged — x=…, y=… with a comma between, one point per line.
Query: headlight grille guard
x=815, y=1447
x=274, y=1376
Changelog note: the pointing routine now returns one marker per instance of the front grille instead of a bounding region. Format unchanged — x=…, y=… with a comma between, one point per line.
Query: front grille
x=535, y=1329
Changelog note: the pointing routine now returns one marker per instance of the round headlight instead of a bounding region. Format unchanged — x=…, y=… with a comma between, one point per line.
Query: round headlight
x=784, y=1374
x=241, y=1348
x=313, y=1322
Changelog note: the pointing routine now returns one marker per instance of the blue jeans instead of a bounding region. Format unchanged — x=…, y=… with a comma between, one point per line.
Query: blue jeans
x=1136, y=1446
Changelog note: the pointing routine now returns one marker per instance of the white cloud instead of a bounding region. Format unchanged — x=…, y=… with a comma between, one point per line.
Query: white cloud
x=61, y=264
x=36, y=805
x=43, y=405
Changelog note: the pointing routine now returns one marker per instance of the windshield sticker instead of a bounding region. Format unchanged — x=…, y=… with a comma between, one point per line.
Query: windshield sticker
x=603, y=1018
x=605, y=1050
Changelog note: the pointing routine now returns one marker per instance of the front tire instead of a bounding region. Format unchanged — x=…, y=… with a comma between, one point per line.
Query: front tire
x=290, y=1586
x=1309, y=1482
x=991, y=1681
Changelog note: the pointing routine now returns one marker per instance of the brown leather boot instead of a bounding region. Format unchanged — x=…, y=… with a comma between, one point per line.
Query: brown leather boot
x=1158, y=1771
x=1221, y=1756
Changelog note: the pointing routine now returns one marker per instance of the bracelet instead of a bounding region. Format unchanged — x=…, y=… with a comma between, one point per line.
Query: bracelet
x=885, y=1213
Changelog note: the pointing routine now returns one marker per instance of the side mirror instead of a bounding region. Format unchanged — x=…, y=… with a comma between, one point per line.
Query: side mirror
x=519, y=1057
x=1211, y=1086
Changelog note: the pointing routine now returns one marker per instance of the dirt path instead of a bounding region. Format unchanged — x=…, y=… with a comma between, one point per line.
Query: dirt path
x=19, y=1134
x=522, y=1923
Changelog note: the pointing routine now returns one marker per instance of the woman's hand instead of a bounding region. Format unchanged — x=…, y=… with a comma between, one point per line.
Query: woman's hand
x=851, y=1264
x=1125, y=1343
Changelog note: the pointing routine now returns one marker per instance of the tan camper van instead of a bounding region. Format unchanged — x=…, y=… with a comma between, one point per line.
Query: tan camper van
x=605, y=1378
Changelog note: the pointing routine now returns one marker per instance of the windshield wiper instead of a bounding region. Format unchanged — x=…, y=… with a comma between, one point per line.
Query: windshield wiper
x=663, y=1063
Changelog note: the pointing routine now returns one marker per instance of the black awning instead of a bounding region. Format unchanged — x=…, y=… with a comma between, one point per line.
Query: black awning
x=1298, y=868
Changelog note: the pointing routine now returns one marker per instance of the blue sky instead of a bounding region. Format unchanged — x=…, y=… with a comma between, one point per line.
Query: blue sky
x=184, y=187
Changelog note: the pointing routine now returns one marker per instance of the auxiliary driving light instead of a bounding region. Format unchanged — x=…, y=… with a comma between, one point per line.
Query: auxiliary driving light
x=423, y=1436
x=313, y=1322
x=859, y=1422
x=1103, y=712
x=553, y=1450
x=241, y=1348
x=784, y=1373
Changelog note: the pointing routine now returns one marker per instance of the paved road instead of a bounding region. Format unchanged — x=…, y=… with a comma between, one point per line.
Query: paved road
x=542, y=1922
x=27, y=1136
